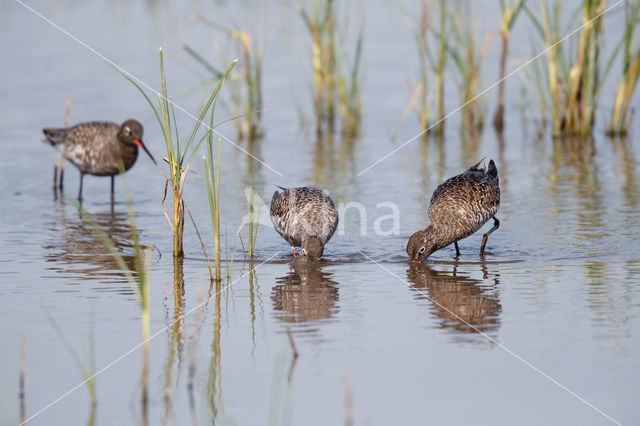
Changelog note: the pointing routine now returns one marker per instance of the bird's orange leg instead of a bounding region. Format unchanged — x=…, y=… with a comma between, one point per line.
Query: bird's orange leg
x=496, y=225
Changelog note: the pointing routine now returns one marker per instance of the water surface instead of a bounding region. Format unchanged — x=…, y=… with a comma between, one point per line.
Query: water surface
x=465, y=341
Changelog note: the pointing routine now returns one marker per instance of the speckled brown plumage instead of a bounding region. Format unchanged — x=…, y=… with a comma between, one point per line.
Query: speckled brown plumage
x=94, y=147
x=458, y=208
x=305, y=217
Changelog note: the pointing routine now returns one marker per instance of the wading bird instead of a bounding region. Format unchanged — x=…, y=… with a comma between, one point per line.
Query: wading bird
x=96, y=147
x=458, y=208
x=305, y=217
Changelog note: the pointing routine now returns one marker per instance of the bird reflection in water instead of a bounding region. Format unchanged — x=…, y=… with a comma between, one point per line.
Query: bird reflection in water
x=78, y=251
x=463, y=304
x=307, y=293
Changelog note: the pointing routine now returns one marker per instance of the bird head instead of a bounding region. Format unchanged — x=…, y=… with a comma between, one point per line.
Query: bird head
x=312, y=248
x=131, y=134
x=421, y=245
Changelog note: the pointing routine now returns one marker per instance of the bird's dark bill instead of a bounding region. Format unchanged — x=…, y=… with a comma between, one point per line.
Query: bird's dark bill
x=141, y=145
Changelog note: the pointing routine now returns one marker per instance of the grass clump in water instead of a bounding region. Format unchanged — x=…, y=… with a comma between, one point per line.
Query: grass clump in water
x=509, y=12
x=421, y=29
x=245, y=88
x=574, y=77
x=622, y=115
x=179, y=154
x=213, y=191
x=335, y=77
x=468, y=62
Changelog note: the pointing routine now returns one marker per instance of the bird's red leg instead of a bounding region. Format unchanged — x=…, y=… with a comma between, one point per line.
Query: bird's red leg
x=496, y=225
x=294, y=251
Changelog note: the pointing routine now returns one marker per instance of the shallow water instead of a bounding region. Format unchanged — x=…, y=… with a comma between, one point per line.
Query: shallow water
x=544, y=329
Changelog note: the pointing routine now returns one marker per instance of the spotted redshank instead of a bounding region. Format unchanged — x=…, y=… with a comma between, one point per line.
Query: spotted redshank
x=458, y=208
x=95, y=147
x=305, y=217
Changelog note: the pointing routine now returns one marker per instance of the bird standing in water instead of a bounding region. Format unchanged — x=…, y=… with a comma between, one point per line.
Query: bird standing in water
x=458, y=208
x=96, y=147
x=305, y=217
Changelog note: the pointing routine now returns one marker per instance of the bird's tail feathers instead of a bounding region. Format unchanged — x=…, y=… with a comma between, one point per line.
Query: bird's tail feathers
x=492, y=170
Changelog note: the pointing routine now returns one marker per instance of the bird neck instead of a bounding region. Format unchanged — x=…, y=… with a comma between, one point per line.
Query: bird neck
x=129, y=154
x=434, y=239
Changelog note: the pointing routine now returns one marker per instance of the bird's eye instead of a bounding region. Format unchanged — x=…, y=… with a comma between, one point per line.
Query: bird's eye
x=304, y=252
x=421, y=250
x=126, y=130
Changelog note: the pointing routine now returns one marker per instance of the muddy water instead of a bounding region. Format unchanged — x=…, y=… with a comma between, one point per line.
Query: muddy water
x=544, y=329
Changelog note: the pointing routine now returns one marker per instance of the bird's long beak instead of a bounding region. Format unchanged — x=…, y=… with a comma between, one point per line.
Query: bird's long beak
x=141, y=145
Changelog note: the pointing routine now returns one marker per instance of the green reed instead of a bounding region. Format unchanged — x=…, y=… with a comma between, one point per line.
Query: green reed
x=621, y=116
x=253, y=233
x=245, y=90
x=582, y=99
x=179, y=154
x=468, y=59
x=428, y=38
x=419, y=94
x=440, y=65
x=320, y=22
x=574, y=75
x=335, y=77
x=535, y=87
x=254, y=220
x=213, y=190
x=349, y=91
x=228, y=256
x=508, y=12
